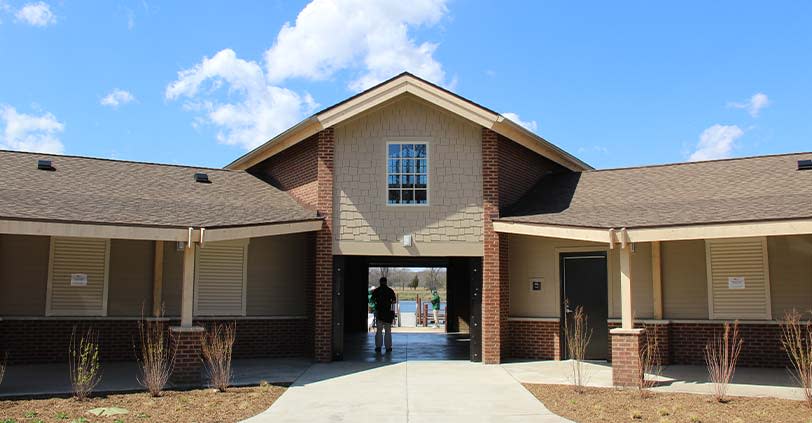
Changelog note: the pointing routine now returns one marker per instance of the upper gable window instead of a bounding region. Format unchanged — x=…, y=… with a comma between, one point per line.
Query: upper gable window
x=407, y=173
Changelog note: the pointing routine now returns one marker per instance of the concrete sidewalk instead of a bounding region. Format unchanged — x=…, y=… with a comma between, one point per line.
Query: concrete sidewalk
x=409, y=391
x=748, y=382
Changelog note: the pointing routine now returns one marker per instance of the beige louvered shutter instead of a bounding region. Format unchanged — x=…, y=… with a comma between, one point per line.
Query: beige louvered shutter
x=220, y=279
x=738, y=279
x=85, y=260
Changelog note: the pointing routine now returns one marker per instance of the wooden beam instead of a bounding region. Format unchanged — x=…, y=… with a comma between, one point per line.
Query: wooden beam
x=657, y=280
x=626, y=311
x=158, y=279
x=188, y=287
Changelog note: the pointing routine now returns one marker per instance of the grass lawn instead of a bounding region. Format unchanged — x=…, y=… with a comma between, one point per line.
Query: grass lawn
x=409, y=294
x=201, y=405
x=614, y=405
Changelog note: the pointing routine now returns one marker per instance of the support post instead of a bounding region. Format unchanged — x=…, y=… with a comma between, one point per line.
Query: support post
x=158, y=279
x=657, y=280
x=627, y=314
x=188, y=294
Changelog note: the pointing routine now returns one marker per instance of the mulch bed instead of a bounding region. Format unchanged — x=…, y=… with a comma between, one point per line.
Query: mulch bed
x=615, y=405
x=202, y=405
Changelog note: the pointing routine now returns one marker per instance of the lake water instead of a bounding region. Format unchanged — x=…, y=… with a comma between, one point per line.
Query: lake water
x=411, y=306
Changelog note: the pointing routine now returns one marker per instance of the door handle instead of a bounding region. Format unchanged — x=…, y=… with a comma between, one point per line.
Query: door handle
x=567, y=310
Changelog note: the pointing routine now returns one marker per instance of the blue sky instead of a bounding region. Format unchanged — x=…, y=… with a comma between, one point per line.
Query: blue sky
x=615, y=83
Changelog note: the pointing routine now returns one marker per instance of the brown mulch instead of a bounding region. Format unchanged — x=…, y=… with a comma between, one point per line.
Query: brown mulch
x=202, y=405
x=615, y=405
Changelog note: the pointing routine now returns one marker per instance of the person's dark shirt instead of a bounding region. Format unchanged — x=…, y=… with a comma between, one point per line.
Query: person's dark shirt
x=384, y=297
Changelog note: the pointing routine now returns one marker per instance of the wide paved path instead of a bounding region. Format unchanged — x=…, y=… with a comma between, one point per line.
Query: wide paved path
x=407, y=391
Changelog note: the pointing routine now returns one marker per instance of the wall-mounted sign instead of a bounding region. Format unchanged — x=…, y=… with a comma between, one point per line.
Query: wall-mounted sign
x=735, y=282
x=78, y=279
x=535, y=284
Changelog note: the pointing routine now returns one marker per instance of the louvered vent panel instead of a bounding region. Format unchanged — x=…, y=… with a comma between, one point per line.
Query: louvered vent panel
x=739, y=258
x=78, y=256
x=220, y=279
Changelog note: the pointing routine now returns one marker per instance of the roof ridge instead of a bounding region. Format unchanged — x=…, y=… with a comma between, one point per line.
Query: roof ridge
x=72, y=156
x=675, y=164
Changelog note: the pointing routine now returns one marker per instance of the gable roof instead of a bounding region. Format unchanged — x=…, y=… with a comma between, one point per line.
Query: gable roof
x=752, y=189
x=403, y=84
x=112, y=192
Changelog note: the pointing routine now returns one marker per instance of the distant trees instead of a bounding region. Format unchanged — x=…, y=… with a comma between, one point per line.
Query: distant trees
x=403, y=277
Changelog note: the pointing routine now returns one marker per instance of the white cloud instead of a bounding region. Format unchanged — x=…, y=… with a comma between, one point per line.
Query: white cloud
x=117, y=98
x=25, y=132
x=716, y=142
x=754, y=105
x=130, y=19
x=256, y=110
x=36, y=14
x=248, y=102
x=530, y=125
x=370, y=39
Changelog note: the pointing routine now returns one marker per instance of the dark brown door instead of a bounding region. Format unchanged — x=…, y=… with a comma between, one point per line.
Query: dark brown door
x=584, y=283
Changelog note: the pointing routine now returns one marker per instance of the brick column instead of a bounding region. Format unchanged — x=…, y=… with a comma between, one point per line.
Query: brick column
x=626, y=345
x=495, y=289
x=186, y=346
x=323, y=301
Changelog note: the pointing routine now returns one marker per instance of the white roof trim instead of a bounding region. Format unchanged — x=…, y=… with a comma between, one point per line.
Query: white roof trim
x=408, y=84
x=664, y=233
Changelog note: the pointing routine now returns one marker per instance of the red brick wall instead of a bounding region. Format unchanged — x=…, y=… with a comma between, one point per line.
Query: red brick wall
x=186, y=346
x=323, y=295
x=294, y=170
x=519, y=170
x=495, y=288
x=534, y=340
x=761, y=347
x=626, y=359
x=659, y=331
x=47, y=341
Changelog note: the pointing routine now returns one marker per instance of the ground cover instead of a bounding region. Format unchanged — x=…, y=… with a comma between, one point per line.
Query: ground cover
x=615, y=405
x=200, y=405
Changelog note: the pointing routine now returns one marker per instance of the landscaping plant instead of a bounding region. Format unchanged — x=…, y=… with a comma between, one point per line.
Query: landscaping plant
x=3, y=368
x=649, y=363
x=578, y=334
x=721, y=355
x=155, y=358
x=85, y=370
x=796, y=336
x=217, y=346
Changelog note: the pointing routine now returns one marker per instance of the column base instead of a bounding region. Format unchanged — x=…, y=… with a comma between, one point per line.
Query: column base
x=186, y=347
x=626, y=345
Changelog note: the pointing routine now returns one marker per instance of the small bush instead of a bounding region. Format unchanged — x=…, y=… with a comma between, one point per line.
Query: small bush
x=156, y=358
x=3, y=367
x=721, y=356
x=578, y=334
x=218, y=343
x=796, y=336
x=649, y=364
x=85, y=370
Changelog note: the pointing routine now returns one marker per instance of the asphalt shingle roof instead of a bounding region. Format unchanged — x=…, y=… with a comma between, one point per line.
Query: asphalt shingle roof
x=93, y=190
x=733, y=190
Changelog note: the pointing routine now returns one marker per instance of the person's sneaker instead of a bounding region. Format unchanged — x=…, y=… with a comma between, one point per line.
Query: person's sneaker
x=377, y=350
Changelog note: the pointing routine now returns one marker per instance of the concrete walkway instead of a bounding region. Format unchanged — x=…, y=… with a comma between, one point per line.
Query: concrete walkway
x=408, y=391
x=748, y=382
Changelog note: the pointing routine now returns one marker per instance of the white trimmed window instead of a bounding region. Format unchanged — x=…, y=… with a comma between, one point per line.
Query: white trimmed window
x=407, y=173
x=738, y=279
x=77, y=277
x=220, y=278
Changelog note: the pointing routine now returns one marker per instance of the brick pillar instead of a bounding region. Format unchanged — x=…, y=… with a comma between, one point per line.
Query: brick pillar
x=495, y=289
x=323, y=295
x=626, y=345
x=186, y=343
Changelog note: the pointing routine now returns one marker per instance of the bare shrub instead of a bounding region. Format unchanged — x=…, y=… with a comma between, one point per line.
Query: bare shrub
x=217, y=346
x=721, y=355
x=649, y=363
x=83, y=358
x=796, y=336
x=155, y=357
x=578, y=334
x=3, y=368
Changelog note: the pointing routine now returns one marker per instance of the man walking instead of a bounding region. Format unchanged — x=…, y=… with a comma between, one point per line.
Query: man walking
x=435, y=307
x=384, y=297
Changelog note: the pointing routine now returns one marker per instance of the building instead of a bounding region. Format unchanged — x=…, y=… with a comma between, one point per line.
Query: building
x=405, y=173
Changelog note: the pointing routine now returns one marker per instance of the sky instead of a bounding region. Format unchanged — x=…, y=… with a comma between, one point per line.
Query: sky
x=614, y=83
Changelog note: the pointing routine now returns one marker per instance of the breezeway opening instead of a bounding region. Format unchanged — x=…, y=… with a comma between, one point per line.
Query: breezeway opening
x=458, y=282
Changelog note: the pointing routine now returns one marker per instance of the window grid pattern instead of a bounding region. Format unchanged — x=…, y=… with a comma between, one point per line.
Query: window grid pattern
x=407, y=174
